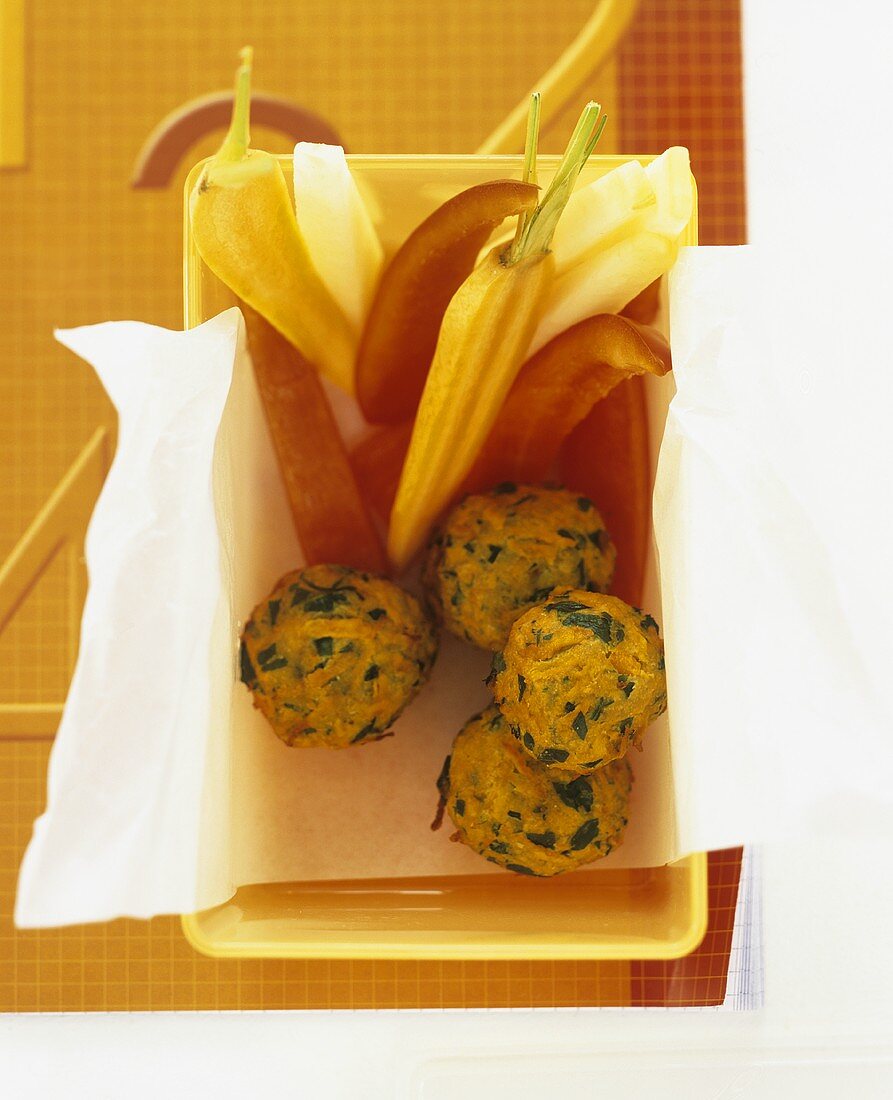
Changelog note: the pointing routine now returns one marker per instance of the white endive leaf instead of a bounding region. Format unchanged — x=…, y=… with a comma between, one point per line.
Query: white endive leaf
x=336, y=225
x=601, y=212
x=639, y=250
x=670, y=176
x=605, y=283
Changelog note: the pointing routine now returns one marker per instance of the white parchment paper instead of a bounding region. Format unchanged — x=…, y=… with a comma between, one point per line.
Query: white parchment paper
x=772, y=516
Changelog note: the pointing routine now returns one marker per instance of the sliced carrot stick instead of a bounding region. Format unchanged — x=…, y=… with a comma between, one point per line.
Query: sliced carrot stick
x=607, y=458
x=554, y=391
x=330, y=516
x=401, y=330
x=377, y=461
x=557, y=387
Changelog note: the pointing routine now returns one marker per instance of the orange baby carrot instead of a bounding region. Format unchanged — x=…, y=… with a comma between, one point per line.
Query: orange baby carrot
x=557, y=387
x=330, y=516
x=607, y=459
x=644, y=307
x=400, y=335
x=554, y=391
x=377, y=461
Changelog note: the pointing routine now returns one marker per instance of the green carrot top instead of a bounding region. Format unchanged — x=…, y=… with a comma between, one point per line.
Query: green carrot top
x=235, y=144
x=535, y=234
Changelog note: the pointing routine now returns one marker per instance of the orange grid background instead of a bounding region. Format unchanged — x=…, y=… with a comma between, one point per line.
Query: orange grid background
x=79, y=246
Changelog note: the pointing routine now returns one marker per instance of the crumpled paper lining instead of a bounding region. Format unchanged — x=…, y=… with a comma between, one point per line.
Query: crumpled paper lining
x=778, y=665
x=167, y=790
x=138, y=787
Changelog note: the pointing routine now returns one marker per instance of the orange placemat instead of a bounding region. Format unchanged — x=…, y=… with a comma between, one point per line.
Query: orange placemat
x=80, y=245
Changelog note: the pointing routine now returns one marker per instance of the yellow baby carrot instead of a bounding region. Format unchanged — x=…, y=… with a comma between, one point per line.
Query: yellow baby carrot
x=483, y=341
x=245, y=229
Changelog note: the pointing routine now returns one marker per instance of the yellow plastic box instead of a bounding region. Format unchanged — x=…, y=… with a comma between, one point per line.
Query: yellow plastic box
x=654, y=913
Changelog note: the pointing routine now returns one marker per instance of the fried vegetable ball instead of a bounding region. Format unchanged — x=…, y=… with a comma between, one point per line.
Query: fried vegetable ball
x=580, y=679
x=332, y=656
x=528, y=818
x=500, y=553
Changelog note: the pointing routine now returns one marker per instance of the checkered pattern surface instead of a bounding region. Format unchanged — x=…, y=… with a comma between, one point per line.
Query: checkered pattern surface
x=680, y=84
x=79, y=245
x=700, y=978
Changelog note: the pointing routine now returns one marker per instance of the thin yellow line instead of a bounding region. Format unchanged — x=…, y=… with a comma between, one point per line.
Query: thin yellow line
x=59, y=526
x=29, y=721
x=584, y=56
x=65, y=515
x=12, y=83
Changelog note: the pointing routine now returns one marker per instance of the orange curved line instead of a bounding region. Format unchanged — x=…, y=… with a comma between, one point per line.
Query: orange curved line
x=168, y=143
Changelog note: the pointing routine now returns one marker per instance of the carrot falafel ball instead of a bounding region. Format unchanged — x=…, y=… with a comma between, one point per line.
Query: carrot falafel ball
x=332, y=656
x=526, y=817
x=580, y=679
x=502, y=552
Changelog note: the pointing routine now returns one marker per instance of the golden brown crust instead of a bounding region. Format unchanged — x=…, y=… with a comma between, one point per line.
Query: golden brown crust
x=332, y=656
x=525, y=817
x=502, y=552
x=580, y=679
